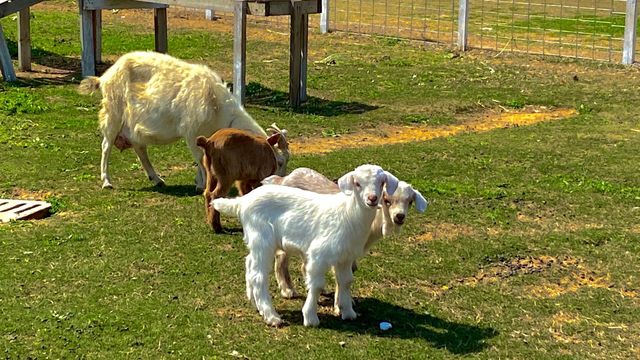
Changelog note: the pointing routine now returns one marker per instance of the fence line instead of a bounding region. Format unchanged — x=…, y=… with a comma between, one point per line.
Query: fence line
x=590, y=29
x=585, y=29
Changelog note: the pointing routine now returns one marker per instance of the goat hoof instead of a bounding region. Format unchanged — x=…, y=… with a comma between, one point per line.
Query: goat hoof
x=288, y=294
x=311, y=320
x=107, y=185
x=274, y=321
x=349, y=315
x=159, y=183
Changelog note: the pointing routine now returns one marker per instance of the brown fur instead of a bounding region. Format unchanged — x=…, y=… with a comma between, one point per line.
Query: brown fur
x=233, y=155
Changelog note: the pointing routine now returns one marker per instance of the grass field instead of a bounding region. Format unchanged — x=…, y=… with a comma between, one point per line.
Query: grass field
x=529, y=249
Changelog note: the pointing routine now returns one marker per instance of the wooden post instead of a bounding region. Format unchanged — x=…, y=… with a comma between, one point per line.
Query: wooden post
x=239, y=48
x=324, y=17
x=298, y=55
x=97, y=35
x=463, y=22
x=24, y=40
x=160, y=27
x=5, y=59
x=87, y=40
x=630, y=31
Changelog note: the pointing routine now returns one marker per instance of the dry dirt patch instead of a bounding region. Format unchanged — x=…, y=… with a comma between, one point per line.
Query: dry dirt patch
x=405, y=134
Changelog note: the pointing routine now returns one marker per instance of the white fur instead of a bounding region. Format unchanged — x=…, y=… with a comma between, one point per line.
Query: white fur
x=329, y=230
x=390, y=215
x=154, y=99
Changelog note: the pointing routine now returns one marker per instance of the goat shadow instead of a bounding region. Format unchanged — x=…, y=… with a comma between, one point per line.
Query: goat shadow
x=457, y=338
x=174, y=190
x=259, y=95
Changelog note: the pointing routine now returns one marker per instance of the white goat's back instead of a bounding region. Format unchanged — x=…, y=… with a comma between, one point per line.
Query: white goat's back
x=159, y=99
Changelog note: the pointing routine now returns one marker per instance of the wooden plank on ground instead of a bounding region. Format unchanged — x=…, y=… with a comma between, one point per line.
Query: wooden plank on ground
x=23, y=209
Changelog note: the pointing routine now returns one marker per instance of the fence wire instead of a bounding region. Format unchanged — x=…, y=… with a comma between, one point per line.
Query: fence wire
x=589, y=29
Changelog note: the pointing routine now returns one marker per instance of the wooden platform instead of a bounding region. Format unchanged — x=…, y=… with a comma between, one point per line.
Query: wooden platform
x=23, y=210
x=298, y=10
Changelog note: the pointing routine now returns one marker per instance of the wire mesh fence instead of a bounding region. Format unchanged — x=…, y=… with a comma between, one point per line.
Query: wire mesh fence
x=590, y=29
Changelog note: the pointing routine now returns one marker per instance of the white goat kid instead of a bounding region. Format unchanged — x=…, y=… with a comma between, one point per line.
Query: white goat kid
x=329, y=230
x=150, y=98
x=390, y=215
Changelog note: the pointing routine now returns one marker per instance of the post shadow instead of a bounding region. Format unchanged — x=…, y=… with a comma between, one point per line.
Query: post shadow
x=259, y=95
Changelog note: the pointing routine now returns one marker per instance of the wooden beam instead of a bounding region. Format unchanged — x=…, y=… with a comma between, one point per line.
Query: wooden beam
x=630, y=33
x=87, y=42
x=239, y=48
x=97, y=35
x=160, y=27
x=295, y=55
x=5, y=59
x=24, y=40
x=270, y=8
x=10, y=7
x=120, y=4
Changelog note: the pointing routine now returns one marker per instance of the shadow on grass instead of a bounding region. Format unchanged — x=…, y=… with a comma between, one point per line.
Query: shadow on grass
x=174, y=190
x=456, y=338
x=263, y=96
x=63, y=69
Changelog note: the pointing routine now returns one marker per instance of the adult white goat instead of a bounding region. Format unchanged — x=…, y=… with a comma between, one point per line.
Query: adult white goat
x=329, y=230
x=150, y=98
x=390, y=216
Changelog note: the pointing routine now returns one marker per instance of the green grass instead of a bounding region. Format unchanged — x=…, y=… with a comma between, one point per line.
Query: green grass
x=136, y=273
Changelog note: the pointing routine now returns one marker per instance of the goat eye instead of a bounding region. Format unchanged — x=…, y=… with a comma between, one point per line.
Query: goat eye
x=357, y=184
x=387, y=202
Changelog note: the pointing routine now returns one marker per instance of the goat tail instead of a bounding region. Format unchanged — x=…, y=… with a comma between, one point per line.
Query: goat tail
x=228, y=206
x=89, y=85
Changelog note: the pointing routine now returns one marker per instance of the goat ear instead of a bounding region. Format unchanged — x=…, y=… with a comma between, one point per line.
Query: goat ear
x=201, y=141
x=273, y=139
x=421, y=202
x=273, y=179
x=392, y=182
x=345, y=183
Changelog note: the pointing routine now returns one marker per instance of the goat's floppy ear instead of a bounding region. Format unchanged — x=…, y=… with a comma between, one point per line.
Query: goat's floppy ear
x=392, y=183
x=273, y=139
x=201, y=141
x=345, y=183
x=421, y=202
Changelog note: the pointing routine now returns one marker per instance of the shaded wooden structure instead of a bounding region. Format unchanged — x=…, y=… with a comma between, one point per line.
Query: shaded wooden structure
x=298, y=10
x=8, y=7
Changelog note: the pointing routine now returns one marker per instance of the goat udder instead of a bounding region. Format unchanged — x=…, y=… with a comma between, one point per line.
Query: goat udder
x=122, y=142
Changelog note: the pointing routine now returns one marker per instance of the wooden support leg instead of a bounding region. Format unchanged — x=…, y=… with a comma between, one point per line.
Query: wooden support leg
x=239, y=48
x=298, y=55
x=87, y=41
x=5, y=59
x=160, y=26
x=97, y=35
x=24, y=40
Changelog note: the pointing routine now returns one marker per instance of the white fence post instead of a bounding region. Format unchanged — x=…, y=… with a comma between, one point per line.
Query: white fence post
x=463, y=21
x=630, y=27
x=210, y=14
x=324, y=17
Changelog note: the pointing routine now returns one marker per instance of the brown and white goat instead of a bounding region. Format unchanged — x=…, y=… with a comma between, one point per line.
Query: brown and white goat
x=150, y=98
x=232, y=155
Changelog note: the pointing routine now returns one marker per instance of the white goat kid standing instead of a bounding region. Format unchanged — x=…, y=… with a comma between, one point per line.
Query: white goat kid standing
x=390, y=215
x=329, y=230
x=150, y=98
